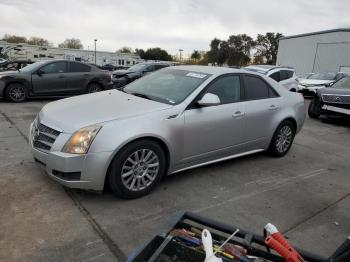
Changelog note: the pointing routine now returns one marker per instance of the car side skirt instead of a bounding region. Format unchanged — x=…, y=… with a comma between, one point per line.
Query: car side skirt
x=218, y=160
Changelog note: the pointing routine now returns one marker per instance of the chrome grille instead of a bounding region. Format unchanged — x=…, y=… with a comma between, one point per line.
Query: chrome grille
x=336, y=99
x=44, y=137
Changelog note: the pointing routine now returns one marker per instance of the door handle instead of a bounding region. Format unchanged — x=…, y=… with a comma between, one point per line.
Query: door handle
x=237, y=114
x=61, y=76
x=273, y=108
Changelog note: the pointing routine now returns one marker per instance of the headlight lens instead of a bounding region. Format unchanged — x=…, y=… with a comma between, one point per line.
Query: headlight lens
x=80, y=141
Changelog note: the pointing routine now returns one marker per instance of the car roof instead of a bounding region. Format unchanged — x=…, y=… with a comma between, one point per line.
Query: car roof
x=214, y=70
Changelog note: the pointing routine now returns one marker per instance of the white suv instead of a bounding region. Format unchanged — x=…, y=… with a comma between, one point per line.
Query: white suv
x=284, y=75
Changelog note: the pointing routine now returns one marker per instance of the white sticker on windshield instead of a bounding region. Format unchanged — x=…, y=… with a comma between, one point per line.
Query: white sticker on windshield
x=196, y=75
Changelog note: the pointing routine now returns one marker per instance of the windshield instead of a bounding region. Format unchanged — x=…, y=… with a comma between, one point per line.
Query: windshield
x=137, y=67
x=169, y=86
x=31, y=67
x=342, y=83
x=323, y=76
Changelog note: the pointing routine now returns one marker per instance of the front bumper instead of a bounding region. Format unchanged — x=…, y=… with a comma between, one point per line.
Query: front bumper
x=86, y=171
x=335, y=109
x=119, y=82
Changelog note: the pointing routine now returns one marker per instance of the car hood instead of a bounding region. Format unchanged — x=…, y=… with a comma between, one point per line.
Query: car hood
x=311, y=82
x=70, y=114
x=8, y=73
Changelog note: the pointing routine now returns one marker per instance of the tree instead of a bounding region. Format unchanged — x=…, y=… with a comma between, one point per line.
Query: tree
x=267, y=46
x=157, y=53
x=125, y=49
x=72, y=43
x=239, y=48
x=195, y=55
x=140, y=52
x=235, y=51
x=37, y=41
x=14, y=39
x=213, y=54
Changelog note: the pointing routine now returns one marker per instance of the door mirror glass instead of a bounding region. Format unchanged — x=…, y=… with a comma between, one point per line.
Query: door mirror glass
x=209, y=100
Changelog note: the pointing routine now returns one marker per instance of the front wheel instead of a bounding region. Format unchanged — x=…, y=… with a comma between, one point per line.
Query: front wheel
x=16, y=92
x=137, y=169
x=282, y=139
x=314, y=110
x=93, y=88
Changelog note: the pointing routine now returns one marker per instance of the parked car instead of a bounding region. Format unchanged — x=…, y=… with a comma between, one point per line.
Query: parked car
x=14, y=65
x=284, y=75
x=334, y=100
x=174, y=119
x=57, y=78
x=310, y=85
x=121, y=78
x=2, y=60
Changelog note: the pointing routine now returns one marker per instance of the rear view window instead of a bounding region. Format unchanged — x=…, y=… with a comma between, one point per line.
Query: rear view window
x=77, y=67
x=256, y=88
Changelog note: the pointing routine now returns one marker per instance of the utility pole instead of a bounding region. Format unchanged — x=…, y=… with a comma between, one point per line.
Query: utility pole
x=95, y=50
x=181, y=50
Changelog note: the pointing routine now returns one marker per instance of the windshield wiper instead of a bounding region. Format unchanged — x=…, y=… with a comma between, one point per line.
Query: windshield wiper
x=141, y=95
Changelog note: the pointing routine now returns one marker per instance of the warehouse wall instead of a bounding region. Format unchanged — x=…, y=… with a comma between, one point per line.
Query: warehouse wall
x=315, y=53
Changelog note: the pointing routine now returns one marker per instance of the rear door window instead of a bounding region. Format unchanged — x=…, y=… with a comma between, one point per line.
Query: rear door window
x=256, y=88
x=78, y=67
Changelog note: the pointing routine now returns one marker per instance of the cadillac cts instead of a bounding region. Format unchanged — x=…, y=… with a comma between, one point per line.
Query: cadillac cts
x=174, y=119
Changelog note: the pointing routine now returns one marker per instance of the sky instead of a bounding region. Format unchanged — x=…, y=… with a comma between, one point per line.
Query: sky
x=169, y=24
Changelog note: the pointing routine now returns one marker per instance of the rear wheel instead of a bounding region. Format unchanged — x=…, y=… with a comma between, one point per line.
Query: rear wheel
x=282, y=139
x=314, y=109
x=137, y=169
x=16, y=92
x=94, y=87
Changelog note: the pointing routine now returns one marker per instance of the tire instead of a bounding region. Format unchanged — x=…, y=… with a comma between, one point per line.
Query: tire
x=314, y=110
x=140, y=177
x=93, y=88
x=284, y=134
x=16, y=92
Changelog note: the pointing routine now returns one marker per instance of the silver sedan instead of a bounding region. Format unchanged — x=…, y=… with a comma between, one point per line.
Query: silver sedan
x=174, y=119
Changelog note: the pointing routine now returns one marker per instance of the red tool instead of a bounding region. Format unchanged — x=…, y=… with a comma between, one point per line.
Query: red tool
x=279, y=243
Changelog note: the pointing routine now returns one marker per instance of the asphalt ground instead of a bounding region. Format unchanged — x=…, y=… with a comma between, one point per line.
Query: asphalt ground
x=306, y=194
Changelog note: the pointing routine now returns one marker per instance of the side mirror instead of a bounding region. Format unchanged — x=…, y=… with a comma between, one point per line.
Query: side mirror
x=40, y=72
x=209, y=99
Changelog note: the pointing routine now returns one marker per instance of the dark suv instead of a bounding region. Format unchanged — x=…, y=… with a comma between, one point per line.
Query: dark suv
x=121, y=78
x=58, y=78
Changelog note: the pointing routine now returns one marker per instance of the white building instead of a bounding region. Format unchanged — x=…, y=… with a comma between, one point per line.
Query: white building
x=324, y=51
x=36, y=53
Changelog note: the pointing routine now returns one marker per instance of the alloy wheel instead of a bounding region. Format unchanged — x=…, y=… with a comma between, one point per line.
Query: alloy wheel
x=17, y=93
x=140, y=169
x=284, y=138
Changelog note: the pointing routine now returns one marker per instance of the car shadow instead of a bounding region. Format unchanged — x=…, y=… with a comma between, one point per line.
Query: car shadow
x=173, y=179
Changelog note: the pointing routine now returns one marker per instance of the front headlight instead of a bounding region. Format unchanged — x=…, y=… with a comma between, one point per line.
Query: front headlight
x=81, y=140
